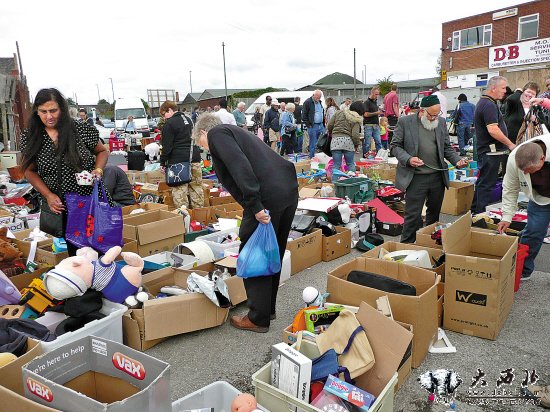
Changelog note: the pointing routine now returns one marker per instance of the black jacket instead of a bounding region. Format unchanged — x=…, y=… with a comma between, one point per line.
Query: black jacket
x=308, y=112
x=271, y=120
x=256, y=176
x=176, y=141
x=118, y=185
x=298, y=114
x=513, y=115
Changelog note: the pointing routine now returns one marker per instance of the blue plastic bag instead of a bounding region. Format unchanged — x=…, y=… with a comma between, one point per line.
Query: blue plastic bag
x=260, y=255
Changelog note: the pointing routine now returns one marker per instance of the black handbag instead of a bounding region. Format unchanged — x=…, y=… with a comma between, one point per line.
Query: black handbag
x=50, y=222
x=303, y=223
x=381, y=282
x=323, y=144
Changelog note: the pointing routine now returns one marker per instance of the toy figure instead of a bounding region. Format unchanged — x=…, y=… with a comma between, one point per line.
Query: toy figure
x=245, y=402
x=74, y=275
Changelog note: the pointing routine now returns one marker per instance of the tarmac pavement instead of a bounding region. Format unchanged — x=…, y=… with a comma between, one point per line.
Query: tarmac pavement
x=225, y=353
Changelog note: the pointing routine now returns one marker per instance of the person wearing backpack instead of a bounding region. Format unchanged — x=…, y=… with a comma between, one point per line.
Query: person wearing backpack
x=271, y=123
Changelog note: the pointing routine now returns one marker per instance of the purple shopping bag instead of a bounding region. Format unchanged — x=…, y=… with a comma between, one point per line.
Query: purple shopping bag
x=78, y=210
x=104, y=222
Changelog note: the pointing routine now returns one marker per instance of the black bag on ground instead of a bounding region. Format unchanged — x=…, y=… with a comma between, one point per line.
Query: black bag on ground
x=381, y=282
x=323, y=144
x=136, y=160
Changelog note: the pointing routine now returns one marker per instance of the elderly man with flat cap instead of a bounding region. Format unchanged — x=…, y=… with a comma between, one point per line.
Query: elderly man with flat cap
x=421, y=145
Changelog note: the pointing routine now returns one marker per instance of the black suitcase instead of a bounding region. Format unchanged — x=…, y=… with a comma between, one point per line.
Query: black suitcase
x=136, y=160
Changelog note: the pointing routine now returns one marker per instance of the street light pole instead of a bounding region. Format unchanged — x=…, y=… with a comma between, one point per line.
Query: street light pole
x=224, y=75
x=190, y=82
x=112, y=89
x=98, y=96
x=354, y=77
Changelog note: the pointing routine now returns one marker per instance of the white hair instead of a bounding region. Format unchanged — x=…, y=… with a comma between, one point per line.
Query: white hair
x=494, y=81
x=241, y=104
x=290, y=106
x=206, y=122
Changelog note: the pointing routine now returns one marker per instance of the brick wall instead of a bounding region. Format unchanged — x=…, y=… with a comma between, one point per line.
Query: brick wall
x=505, y=31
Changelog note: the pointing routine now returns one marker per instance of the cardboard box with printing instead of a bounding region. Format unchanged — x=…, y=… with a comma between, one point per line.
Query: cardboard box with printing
x=160, y=318
x=479, y=279
x=98, y=375
x=155, y=231
x=306, y=251
x=420, y=311
x=458, y=198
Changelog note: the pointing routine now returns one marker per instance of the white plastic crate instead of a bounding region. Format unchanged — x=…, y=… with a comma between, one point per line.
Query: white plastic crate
x=213, y=241
x=110, y=327
x=161, y=258
x=217, y=395
x=274, y=399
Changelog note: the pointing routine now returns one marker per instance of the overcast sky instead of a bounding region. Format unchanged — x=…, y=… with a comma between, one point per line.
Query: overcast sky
x=142, y=45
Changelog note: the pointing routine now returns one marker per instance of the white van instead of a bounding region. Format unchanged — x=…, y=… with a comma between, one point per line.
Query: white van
x=286, y=97
x=131, y=106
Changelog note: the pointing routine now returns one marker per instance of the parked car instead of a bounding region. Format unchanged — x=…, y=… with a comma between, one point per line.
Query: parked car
x=108, y=123
x=152, y=124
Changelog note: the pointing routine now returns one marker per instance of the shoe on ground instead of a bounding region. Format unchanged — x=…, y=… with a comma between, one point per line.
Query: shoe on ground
x=244, y=323
x=526, y=277
x=272, y=316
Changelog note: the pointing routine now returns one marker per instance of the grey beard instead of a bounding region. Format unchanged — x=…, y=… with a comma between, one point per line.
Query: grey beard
x=429, y=124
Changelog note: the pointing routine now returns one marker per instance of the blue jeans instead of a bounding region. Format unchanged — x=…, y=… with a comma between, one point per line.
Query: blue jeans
x=534, y=233
x=314, y=133
x=337, y=159
x=464, y=133
x=488, y=175
x=372, y=131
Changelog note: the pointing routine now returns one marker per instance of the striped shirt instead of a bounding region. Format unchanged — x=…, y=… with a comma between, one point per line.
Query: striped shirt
x=102, y=274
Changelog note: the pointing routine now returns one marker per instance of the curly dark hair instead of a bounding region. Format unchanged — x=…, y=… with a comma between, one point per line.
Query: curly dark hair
x=66, y=128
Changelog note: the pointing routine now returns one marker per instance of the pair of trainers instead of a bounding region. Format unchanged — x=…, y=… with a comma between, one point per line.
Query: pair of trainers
x=540, y=392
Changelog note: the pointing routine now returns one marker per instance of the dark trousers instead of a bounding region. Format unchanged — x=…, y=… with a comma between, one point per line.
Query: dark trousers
x=262, y=291
x=392, y=122
x=423, y=188
x=488, y=175
x=71, y=249
x=288, y=143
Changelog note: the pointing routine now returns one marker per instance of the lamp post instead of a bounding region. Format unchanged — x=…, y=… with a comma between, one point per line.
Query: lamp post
x=354, y=77
x=224, y=75
x=190, y=82
x=98, y=96
x=112, y=89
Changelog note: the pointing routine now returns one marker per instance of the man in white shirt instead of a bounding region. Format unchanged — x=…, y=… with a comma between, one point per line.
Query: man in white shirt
x=224, y=116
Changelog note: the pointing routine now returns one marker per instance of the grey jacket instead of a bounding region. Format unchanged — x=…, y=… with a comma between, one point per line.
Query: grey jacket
x=404, y=145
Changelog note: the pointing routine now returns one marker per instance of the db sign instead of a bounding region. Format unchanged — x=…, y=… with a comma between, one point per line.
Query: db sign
x=527, y=52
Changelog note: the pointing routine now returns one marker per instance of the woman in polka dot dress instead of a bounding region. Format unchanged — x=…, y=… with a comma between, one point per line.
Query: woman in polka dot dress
x=55, y=140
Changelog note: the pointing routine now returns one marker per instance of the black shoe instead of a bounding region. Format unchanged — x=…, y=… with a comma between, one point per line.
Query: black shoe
x=272, y=316
x=526, y=277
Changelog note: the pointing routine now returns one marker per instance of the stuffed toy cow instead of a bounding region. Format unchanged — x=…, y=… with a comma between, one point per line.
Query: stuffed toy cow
x=74, y=275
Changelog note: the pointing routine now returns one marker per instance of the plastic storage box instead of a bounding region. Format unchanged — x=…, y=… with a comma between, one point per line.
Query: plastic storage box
x=214, y=240
x=217, y=395
x=110, y=327
x=349, y=187
x=274, y=399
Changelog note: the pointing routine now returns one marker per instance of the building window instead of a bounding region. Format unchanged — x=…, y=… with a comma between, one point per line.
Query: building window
x=473, y=37
x=528, y=27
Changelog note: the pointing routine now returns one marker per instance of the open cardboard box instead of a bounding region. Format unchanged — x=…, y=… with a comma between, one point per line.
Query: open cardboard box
x=227, y=211
x=306, y=251
x=395, y=246
x=160, y=318
x=479, y=279
x=458, y=198
x=155, y=231
x=98, y=375
x=126, y=210
x=337, y=245
x=420, y=311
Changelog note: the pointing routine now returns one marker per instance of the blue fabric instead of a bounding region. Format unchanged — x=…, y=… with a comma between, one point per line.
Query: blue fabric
x=371, y=131
x=118, y=289
x=466, y=115
x=534, y=233
x=287, y=119
x=314, y=133
x=239, y=116
x=318, y=118
x=464, y=133
x=337, y=159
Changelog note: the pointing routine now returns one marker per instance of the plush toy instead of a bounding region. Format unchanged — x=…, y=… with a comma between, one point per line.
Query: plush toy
x=136, y=301
x=8, y=251
x=245, y=402
x=74, y=275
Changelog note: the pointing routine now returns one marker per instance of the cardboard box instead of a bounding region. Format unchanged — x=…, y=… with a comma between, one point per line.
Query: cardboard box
x=306, y=251
x=155, y=231
x=155, y=177
x=221, y=200
x=98, y=375
x=11, y=382
x=337, y=245
x=235, y=285
x=458, y=198
x=126, y=210
x=424, y=236
x=203, y=215
x=440, y=303
x=479, y=279
x=405, y=368
x=289, y=337
x=317, y=187
x=435, y=254
x=160, y=318
x=302, y=166
x=290, y=371
x=25, y=245
x=227, y=211
x=135, y=176
x=384, y=171
x=420, y=311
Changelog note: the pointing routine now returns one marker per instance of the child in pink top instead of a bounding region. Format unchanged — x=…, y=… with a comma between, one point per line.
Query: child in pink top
x=384, y=132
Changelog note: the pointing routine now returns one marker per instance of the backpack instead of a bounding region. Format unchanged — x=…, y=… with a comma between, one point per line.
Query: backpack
x=274, y=124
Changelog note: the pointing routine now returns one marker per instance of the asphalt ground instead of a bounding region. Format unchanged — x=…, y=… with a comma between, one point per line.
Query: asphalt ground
x=225, y=353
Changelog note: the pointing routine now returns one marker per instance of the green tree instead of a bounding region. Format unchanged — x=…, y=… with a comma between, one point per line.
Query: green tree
x=438, y=66
x=385, y=84
x=70, y=101
x=146, y=105
x=104, y=108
